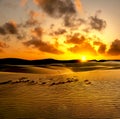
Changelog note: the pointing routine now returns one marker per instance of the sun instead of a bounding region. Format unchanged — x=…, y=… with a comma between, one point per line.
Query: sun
x=83, y=59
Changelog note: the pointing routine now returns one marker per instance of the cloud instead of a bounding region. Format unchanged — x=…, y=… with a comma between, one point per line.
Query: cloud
x=67, y=11
x=67, y=20
x=57, y=8
x=12, y=28
x=2, y=31
x=97, y=23
x=114, y=48
x=75, y=39
x=102, y=47
x=9, y=28
x=43, y=46
x=38, y=43
x=98, y=43
x=37, y=32
x=32, y=20
x=83, y=48
x=64, y=9
x=2, y=46
x=58, y=32
x=73, y=21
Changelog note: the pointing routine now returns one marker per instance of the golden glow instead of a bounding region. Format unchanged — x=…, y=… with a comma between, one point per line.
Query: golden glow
x=83, y=59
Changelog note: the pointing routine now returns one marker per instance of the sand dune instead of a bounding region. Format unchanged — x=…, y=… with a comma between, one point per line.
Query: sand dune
x=60, y=68
x=60, y=91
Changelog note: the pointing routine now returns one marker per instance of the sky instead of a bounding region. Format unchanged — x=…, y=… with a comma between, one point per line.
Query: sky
x=60, y=29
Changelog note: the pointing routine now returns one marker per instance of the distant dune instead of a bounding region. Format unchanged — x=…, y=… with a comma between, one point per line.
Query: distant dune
x=55, y=66
x=17, y=61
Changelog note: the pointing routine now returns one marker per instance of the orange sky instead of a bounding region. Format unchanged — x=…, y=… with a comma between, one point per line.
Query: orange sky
x=63, y=29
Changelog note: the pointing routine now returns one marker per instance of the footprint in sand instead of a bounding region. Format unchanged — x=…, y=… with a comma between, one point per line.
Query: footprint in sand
x=87, y=82
x=5, y=82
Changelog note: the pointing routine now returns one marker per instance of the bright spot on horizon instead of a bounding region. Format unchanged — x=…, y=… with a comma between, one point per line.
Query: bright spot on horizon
x=83, y=59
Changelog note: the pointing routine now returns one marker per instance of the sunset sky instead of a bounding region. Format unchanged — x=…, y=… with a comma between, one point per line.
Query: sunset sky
x=60, y=29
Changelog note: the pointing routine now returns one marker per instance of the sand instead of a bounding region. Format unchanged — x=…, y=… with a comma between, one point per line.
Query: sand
x=61, y=92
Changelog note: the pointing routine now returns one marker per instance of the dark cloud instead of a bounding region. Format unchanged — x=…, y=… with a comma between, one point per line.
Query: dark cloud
x=75, y=39
x=114, y=48
x=102, y=47
x=65, y=9
x=67, y=21
x=98, y=43
x=73, y=21
x=37, y=32
x=38, y=43
x=83, y=48
x=81, y=21
x=12, y=28
x=9, y=28
x=58, y=32
x=43, y=46
x=22, y=35
x=56, y=8
x=2, y=31
x=97, y=23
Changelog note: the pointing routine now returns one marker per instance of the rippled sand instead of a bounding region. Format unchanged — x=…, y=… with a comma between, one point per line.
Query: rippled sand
x=61, y=95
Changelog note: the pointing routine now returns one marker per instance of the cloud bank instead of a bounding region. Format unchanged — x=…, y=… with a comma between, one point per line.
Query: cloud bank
x=75, y=29
x=58, y=8
x=9, y=28
x=114, y=48
x=42, y=46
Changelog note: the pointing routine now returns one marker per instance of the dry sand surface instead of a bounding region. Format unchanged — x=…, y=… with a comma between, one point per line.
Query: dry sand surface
x=60, y=92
